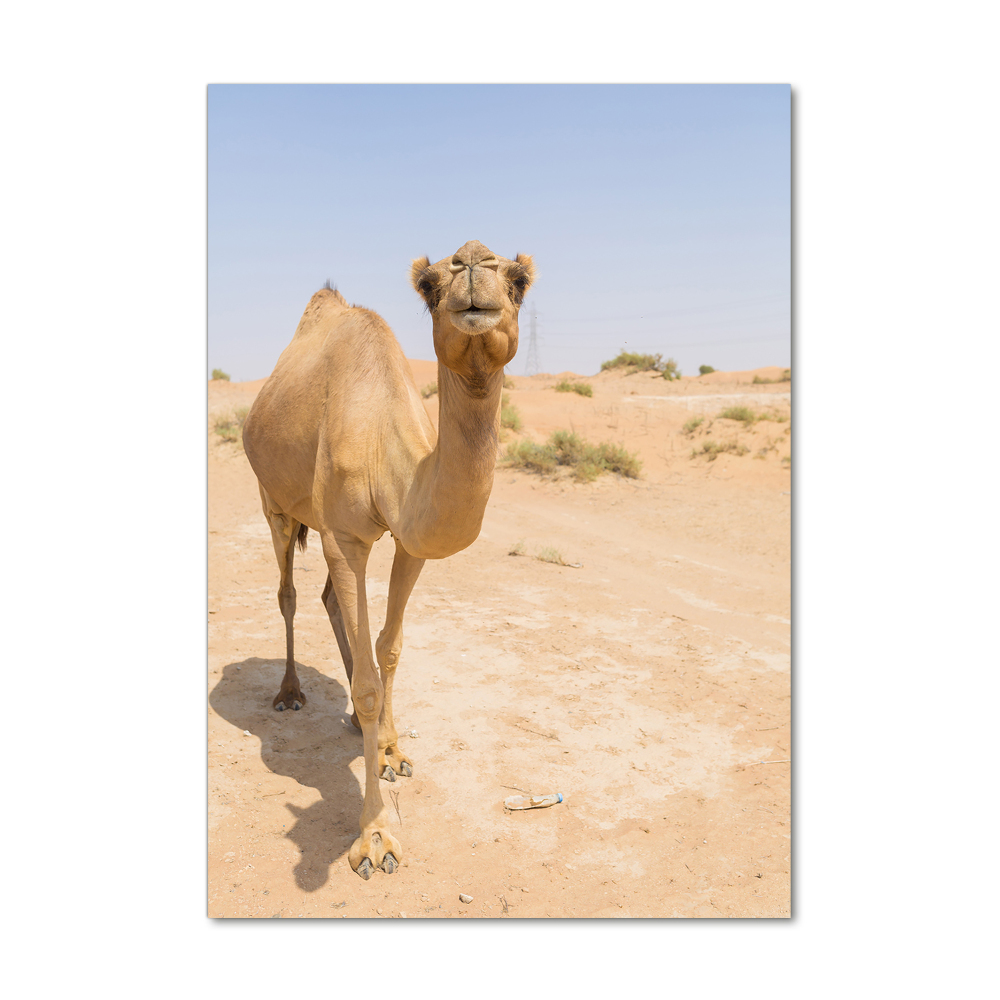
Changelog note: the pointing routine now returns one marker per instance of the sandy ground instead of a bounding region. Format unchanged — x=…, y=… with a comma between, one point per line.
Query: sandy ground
x=650, y=686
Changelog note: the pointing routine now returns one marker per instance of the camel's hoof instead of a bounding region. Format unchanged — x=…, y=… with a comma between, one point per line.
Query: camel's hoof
x=405, y=770
x=366, y=869
x=389, y=864
x=280, y=706
x=389, y=774
x=296, y=705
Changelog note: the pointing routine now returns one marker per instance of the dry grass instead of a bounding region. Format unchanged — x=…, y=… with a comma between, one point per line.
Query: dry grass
x=713, y=450
x=220, y=375
x=510, y=416
x=230, y=428
x=564, y=448
x=693, y=424
x=581, y=388
x=429, y=390
x=786, y=376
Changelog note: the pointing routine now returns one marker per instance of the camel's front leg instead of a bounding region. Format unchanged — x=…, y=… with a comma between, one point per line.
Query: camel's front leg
x=405, y=570
x=376, y=847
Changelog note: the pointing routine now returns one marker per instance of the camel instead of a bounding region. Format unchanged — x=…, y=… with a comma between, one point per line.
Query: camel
x=340, y=443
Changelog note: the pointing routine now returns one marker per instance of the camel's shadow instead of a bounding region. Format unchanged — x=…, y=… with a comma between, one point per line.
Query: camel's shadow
x=313, y=747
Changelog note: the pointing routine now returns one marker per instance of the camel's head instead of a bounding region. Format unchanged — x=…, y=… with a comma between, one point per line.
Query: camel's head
x=474, y=297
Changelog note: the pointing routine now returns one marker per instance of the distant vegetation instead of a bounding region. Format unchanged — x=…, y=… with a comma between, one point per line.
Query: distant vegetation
x=786, y=376
x=220, y=375
x=578, y=387
x=713, y=450
x=510, y=416
x=429, y=390
x=705, y=369
x=231, y=428
x=565, y=448
x=693, y=424
x=643, y=363
x=747, y=416
x=742, y=413
x=508, y=382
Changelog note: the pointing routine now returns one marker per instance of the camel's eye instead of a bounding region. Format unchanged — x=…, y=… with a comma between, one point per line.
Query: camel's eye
x=425, y=287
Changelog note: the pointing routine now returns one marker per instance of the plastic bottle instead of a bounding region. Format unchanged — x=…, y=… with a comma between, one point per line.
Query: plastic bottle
x=532, y=801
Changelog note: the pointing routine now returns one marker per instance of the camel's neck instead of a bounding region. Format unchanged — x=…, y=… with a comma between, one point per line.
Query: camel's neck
x=446, y=504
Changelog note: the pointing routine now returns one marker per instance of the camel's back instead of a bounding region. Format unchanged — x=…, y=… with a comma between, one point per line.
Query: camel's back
x=335, y=382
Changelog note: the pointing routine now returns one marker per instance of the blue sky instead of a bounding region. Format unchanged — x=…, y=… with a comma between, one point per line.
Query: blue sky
x=659, y=216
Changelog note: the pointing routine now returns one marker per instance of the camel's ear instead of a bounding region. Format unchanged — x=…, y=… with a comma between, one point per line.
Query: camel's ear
x=521, y=276
x=426, y=281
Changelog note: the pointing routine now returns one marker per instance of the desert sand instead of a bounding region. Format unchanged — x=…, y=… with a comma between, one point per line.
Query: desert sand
x=649, y=685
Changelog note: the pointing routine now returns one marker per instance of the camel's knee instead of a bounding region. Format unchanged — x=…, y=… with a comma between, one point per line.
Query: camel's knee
x=388, y=649
x=367, y=698
x=286, y=601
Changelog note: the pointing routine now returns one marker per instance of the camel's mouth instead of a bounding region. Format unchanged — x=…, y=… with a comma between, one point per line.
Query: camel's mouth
x=475, y=320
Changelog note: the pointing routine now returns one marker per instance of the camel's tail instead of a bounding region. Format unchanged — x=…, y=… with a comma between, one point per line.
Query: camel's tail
x=301, y=540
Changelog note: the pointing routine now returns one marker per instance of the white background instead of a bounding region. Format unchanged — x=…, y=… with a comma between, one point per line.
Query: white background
x=104, y=420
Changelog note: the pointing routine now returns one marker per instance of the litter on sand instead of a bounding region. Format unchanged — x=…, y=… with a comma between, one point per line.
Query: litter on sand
x=532, y=801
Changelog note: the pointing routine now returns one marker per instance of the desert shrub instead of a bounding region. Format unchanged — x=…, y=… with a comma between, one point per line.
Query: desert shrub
x=742, y=413
x=508, y=382
x=429, y=390
x=713, y=450
x=218, y=373
x=517, y=549
x=231, y=428
x=510, y=416
x=786, y=376
x=531, y=456
x=705, y=369
x=550, y=556
x=638, y=362
x=693, y=424
x=643, y=363
x=578, y=387
x=568, y=449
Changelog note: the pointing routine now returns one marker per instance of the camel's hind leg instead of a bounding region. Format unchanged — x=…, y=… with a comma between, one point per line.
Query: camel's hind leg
x=337, y=621
x=285, y=530
x=388, y=646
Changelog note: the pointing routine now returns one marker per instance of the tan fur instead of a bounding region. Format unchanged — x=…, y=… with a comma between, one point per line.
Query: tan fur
x=340, y=442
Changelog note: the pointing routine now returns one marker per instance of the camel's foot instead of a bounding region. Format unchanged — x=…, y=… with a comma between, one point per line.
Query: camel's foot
x=375, y=848
x=392, y=761
x=290, y=696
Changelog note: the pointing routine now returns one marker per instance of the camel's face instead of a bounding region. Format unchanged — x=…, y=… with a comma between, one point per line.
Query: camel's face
x=474, y=297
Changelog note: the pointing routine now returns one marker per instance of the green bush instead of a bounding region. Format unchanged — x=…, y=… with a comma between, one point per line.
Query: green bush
x=429, y=390
x=669, y=370
x=693, y=424
x=578, y=387
x=220, y=375
x=705, y=369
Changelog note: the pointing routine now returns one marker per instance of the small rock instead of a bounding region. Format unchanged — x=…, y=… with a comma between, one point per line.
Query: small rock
x=464, y=898
x=379, y=911
x=524, y=888
x=246, y=732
